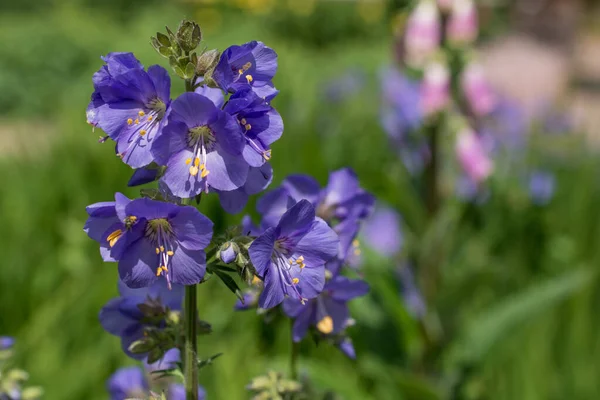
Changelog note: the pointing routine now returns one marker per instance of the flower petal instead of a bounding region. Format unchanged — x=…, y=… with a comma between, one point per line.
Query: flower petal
x=188, y=266
x=192, y=229
x=161, y=80
x=138, y=264
x=194, y=109
x=273, y=293
x=227, y=172
x=112, y=320
x=177, y=176
x=299, y=217
x=261, y=250
x=319, y=245
x=344, y=289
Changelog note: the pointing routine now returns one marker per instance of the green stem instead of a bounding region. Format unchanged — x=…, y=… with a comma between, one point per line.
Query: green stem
x=191, y=335
x=294, y=352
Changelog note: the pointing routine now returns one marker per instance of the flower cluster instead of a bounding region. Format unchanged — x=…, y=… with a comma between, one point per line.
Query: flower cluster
x=436, y=37
x=306, y=236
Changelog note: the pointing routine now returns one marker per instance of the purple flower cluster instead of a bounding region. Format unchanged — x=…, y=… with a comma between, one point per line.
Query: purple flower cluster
x=306, y=236
x=212, y=139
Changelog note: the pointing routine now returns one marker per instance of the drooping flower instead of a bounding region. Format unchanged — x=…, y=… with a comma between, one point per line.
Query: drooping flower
x=328, y=312
x=251, y=64
x=462, y=25
x=201, y=147
x=151, y=239
x=423, y=33
x=262, y=125
x=290, y=257
x=130, y=105
x=123, y=317
x=141, y=176
x=480, y=97
x=128, y=383
x=435, y=89
x=472, y=156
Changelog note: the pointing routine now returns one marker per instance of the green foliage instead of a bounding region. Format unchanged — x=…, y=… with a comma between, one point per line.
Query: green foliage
x=517, y=286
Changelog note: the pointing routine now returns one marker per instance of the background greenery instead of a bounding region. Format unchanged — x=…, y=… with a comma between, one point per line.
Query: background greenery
x=519, y=295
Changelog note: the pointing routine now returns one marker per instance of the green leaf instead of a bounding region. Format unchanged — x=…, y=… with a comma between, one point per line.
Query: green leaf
x=190, y=71
x=165, y=51
x=230, y=283
x=163, y=39
x=208, y=361
x=502, y=319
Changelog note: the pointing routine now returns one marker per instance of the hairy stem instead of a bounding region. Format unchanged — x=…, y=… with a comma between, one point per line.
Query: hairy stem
x=191, y=335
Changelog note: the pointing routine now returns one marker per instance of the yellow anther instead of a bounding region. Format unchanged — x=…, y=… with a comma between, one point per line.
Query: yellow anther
x=137, y=121
x=248, y=127
x=290, y=261
x=131, y=218
x=325, y=325
x=299, y=260
x=249, y=78
x=188, y=161
x=141, y=113
x=355, y=243
x=243, y=121
x=162, y=248
x=256, y=280
x=240, y=71
x=164, y=268
x=158, y=271
x=150, y=118
x=113, y=237
x=197, y=161
x=295, y=281
x=357, y=252
x=267, y=154
x=143, y=132
x=204, y=173
x=202, y=167
x=302, y=265
x=129, y=121
x=170, y=253
x=247, y=66
x=193, y=171
x=157, y=250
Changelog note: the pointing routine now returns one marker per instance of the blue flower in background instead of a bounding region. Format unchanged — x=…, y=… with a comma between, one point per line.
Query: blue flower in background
x=344, y=86
x=130, y=104
x=128, y=383
x=251, y=64
x=383, y=231
x=6, y=342
x=122, y=316
x=258, y=179
x=542, y=185
x=410, y=292
x=290, y=257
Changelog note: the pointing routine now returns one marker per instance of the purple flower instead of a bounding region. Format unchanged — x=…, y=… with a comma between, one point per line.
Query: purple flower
x=401, y=104
x=345, y=345
x=542, y=185
x=128, y=383
x=141, y=176
x=130, y=104
x=250, y=296
x=290, y=257
x=176, y=391
x=150, y=239
x=329, y=311
x=169, y=361
x=234, y=201
x=6, y=342
x=201, y=147
x=251, y=64
x=344, y=86
x=122, y=316
x=383, y=231
x=262, y=125
x=472, y=156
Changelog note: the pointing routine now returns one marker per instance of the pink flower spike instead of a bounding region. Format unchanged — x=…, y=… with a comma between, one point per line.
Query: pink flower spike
x=423, y=33
x=463, y=25
x=472, y=156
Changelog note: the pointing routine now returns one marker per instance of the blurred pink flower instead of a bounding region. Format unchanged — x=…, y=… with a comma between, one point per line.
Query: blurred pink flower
x=435, y=89
x=480, y=97
x=462, y=25
x=472, y=156
x=423, y=33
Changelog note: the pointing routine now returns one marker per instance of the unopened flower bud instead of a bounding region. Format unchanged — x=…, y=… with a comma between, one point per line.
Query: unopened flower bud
x=462, y=25
x=228, y=252
x=207, y=62
x=423, y=33
x=435, y=90
x=188, y=35
x=472, y=156
x=476, y=88
x=143, y=345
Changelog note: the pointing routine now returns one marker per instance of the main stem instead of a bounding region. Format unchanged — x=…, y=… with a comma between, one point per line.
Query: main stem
x=191, y=335
x=431, y=171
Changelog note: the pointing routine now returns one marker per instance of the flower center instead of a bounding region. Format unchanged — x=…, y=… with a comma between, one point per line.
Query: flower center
x=202, y=140
x=160, y=232
x=242, y=72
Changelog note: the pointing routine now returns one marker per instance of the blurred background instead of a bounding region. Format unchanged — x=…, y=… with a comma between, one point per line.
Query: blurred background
x=514, y=310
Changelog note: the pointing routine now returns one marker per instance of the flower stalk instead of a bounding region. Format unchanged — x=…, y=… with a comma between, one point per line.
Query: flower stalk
x=190, y=347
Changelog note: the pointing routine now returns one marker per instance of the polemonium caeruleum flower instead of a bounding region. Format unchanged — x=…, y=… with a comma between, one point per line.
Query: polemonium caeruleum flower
x=131, y=383
x=328, y=312
x=168, y=361
x=201, y=147
x=251, y=64
x=472, y=156
x=423, y=33
x=128, y=383
x=151, y=239
x=290, y=257
x=130, y=105
x=542, y=185
x=123, y=317
x=262, y=125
